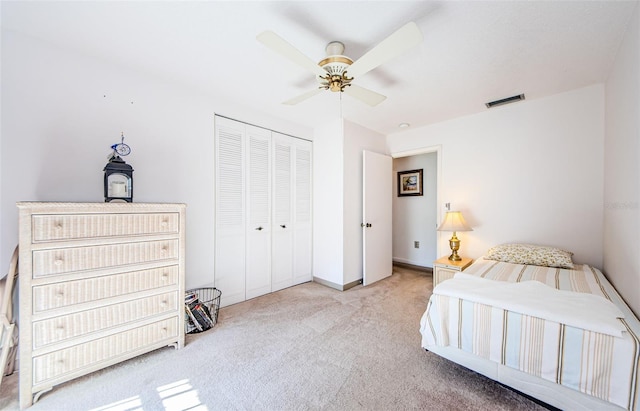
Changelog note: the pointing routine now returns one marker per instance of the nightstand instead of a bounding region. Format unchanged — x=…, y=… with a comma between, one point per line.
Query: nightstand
x=443, y=268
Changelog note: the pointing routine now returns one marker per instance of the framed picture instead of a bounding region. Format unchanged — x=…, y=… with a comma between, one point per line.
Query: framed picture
x=410, y=183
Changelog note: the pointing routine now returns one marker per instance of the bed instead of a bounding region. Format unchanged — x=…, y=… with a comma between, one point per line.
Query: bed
x=561, y=334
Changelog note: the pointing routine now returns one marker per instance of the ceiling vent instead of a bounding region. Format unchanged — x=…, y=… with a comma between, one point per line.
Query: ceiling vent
x=507, y=100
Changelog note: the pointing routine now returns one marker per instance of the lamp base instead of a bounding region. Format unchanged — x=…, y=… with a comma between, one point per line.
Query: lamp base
x=454, y=243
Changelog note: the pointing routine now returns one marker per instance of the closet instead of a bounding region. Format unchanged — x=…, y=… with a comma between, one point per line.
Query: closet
x=262, y=210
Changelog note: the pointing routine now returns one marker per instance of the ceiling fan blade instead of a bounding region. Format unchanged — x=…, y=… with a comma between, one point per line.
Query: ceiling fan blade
x=365, y=95
x=302, y=97
x=281, y=46
x=401, y=40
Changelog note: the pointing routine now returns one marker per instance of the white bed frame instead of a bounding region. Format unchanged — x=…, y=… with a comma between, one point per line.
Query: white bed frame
x=553, y=394
x=546, y=391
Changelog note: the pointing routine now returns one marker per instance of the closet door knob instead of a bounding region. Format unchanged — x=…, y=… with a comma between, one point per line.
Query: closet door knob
x=283, y=226
x=259, y=228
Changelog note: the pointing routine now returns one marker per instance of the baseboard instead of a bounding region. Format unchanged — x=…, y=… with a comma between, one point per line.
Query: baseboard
x=345, y=287
x=413, y=266
x=351, y=284
x=339, y=287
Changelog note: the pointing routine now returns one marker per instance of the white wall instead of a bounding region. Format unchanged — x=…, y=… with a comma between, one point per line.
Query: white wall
x=622, y=169
x=415, y=217
x=356, y=139
x=328, y=191
x=62, y=111
x=337, y=199
x=527, y=172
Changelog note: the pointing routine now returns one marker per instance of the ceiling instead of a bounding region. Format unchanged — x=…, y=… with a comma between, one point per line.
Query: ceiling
x=473, y=52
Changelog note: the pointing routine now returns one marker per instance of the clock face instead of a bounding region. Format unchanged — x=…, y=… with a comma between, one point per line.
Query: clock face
x=122, y=149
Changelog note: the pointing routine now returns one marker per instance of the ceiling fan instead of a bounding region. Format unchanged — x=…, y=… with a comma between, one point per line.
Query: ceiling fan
x=337, y=72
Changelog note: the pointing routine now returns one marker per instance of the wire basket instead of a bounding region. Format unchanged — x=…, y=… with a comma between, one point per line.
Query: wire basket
x=201, y=306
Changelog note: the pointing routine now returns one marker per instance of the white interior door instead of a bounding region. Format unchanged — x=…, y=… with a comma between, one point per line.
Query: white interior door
x=230, y=210
x=282, y=234
x=258, y=204
x=302, y=235
x=377, y=188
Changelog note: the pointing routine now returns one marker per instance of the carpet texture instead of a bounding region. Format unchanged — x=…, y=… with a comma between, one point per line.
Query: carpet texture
x=307, y=347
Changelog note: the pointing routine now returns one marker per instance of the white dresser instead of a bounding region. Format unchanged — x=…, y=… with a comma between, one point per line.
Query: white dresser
x=100, y=283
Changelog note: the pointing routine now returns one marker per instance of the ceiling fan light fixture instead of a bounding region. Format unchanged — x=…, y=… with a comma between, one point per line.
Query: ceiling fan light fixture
x=335, y=65
x=335, y=83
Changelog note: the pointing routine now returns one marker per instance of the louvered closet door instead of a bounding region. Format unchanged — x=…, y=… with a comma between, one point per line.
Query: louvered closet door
x=258, y=233
x=282, y=236
x=302, y=235
x=230, y=210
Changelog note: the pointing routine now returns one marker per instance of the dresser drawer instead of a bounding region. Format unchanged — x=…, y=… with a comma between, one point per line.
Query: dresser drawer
x=79, y=226
x=57, y=295
x=58, y=364
x=82, y=323
x=69, y=260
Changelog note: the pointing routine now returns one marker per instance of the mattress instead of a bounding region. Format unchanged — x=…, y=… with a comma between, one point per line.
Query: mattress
x=597, y=363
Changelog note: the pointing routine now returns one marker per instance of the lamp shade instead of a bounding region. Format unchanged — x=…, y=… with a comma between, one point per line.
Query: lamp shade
x=454, y=221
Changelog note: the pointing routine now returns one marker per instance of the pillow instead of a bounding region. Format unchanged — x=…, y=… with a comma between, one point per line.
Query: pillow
x=531, y=255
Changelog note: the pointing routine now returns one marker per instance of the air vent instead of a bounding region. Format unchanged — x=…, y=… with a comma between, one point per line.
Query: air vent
x=507, y=100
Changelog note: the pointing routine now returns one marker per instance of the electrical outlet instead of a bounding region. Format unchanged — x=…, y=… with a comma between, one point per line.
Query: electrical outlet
x=416, y=244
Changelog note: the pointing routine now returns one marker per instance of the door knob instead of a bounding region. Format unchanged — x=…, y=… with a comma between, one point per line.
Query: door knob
x=365, y=225
x=259, y=228
x=283, y=226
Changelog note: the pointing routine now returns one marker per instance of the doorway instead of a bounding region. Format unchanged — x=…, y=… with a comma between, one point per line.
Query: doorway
x=416, y=217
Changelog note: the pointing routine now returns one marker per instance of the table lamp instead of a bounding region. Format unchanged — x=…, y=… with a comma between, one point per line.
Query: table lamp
x=454, y=221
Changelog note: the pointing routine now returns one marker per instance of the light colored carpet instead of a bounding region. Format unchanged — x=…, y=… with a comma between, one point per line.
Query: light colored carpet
x=308, y=347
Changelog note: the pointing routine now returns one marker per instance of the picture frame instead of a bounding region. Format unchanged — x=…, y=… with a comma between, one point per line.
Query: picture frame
x=410, y=183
